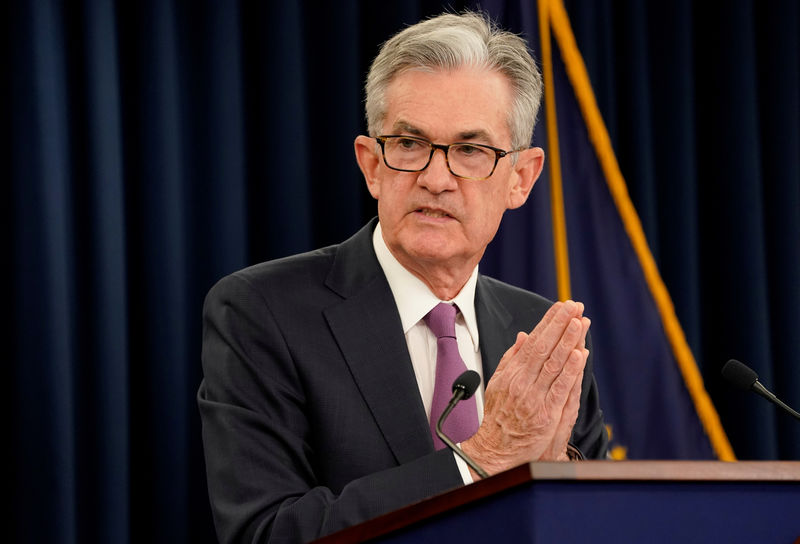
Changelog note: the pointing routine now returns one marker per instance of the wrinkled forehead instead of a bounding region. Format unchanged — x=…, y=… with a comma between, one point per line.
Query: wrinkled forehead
x=465, y=104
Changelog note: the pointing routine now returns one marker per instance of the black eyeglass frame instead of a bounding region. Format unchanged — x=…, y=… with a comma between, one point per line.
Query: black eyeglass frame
x=445, y=148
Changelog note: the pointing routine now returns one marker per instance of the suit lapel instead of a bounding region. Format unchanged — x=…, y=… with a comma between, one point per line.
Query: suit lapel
x=494, y=325
x=367, y=328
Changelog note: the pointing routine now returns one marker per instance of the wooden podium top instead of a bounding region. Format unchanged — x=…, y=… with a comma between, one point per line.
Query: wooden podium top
x=765, y=471
x=645, y=471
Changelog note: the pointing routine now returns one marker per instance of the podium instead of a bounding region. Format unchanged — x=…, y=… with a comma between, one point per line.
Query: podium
x=604, y=501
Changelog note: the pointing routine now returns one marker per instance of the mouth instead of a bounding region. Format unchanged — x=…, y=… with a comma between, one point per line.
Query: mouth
x=434, y=213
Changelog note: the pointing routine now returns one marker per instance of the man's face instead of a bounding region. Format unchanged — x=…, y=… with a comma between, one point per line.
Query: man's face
x=432, y=218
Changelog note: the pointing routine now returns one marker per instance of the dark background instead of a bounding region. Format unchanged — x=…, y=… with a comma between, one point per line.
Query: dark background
x=152, y=147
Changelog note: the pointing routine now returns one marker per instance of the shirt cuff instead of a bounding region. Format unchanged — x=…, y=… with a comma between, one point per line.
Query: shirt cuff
x=463, y=468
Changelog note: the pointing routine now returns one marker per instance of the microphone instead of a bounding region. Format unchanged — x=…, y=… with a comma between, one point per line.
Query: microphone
x=744, y=377
x=463, y=388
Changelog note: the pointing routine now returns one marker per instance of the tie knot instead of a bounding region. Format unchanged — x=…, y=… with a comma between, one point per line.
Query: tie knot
x=442, y=320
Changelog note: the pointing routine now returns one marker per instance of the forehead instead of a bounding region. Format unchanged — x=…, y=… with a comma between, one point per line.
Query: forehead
x=448, y=104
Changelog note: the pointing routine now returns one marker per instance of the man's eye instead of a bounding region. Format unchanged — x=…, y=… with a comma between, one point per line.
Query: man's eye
x=470, y=150
x=408, y=143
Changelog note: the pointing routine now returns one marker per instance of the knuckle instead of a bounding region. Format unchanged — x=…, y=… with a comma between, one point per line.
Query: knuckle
x=561, y=352
x=563, y=317
x=541, y=419
x=560, y=388
x=540, y=347
x=574, y=327
x=552, y=366
x=575, y=363
x=525, y=410
x=516, y=388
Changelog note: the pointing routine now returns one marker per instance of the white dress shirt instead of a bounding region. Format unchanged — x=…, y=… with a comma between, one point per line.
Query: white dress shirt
x=414, y=300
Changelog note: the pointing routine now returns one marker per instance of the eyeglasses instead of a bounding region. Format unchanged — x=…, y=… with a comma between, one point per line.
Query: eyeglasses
x=464, y=160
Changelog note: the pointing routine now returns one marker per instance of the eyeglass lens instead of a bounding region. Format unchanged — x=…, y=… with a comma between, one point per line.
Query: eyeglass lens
x=465, y=160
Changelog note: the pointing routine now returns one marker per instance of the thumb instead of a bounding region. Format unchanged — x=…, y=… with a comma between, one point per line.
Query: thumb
x=510, y=352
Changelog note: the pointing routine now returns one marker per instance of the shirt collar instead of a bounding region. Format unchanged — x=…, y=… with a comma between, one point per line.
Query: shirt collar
x=413, y=298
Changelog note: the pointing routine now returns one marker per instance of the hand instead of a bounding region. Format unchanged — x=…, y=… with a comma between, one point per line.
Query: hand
x=533, y=397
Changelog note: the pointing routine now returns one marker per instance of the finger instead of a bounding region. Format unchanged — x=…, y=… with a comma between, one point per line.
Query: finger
x=558, y=393
x=510, y=352
x=517, y=372
x=560, y=312
x=508, y=360
x=569, y=415
x=554, y=328
x=497, y=387
x=547, y=318
x=555, y=364
x=546, y=414
x=571, y=339
x=544, y=338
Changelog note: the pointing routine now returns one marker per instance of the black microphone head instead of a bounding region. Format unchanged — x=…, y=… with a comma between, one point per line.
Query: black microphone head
x=468, y=382
x=739, y=374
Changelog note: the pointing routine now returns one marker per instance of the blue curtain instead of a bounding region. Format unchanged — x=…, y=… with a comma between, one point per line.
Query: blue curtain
x=152, y=147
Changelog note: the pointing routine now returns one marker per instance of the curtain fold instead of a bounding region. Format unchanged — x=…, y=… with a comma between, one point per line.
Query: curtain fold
x=102, y=274
x=44, y=290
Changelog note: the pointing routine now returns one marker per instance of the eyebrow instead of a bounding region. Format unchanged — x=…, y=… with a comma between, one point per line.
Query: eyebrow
x=408, y=128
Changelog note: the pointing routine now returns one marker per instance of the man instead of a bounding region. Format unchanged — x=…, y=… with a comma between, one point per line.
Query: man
x=320, y=369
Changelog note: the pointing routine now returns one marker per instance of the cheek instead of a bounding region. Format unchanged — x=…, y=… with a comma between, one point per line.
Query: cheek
x=488, y=211
x=395, y=190
x=487, y=206
x=392, y=202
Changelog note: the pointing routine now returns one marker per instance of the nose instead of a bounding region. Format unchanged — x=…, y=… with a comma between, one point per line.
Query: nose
x=437, y=177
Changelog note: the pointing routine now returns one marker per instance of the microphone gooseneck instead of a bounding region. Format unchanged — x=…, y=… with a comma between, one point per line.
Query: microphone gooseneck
x=463, y=388
x=743, y=377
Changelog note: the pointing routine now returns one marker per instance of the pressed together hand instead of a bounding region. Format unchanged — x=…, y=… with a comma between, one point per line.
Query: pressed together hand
x=532, y=400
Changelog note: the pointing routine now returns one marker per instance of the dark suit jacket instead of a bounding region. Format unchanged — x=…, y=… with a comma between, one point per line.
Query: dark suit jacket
x=312, y=418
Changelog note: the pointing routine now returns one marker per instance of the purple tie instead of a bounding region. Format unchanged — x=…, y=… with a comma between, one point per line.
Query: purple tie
x=463, y=420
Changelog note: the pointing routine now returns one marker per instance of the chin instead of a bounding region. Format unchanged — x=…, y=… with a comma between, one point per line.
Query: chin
x=430, y=245
x=431, y=251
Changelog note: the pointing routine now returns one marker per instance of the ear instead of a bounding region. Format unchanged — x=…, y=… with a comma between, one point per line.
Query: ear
x=526, y=171
x=369, y=161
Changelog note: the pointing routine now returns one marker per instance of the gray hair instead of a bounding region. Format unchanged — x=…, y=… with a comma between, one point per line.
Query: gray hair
x=448, y=42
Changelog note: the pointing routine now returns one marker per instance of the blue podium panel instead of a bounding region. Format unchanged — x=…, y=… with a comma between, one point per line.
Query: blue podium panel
x=665, y=512
x=640, y=510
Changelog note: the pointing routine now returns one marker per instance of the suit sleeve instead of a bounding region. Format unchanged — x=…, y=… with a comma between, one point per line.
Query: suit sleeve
x=263, y=482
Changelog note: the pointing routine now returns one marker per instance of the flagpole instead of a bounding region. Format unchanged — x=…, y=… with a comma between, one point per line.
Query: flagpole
x=560, y=248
